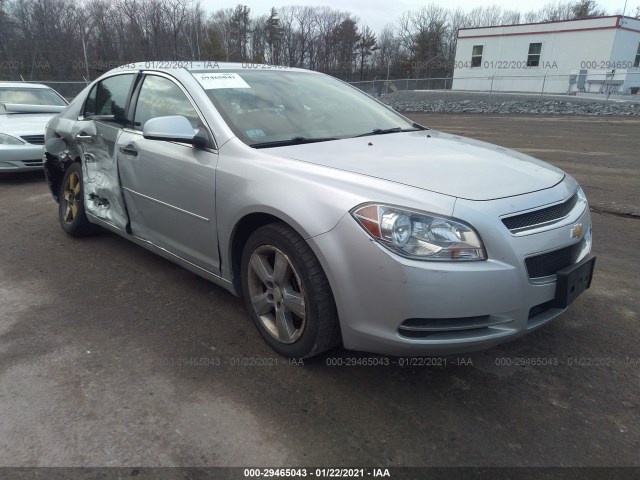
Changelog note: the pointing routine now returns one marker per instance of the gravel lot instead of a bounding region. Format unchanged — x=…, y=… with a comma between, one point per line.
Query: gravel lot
x=98, y=339
x=441, y=101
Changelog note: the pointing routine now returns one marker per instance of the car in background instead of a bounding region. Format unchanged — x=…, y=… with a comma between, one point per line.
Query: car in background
x=335, y=218
x=25, y=109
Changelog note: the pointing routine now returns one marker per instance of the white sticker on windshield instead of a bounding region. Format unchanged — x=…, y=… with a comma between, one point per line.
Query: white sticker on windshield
x=220, y=80
x=255, y=133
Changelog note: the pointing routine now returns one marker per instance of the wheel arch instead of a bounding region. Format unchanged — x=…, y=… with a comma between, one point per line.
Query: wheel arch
x=242, y=230
x=55, y=169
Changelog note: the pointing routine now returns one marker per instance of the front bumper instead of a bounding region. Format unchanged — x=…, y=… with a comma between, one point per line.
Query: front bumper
x=20, y=158
x=392, y=305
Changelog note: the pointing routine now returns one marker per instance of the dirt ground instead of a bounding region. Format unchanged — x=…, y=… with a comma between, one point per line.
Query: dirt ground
x=112, y=356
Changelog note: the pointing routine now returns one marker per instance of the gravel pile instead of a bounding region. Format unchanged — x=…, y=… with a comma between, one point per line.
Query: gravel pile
x=469, y=102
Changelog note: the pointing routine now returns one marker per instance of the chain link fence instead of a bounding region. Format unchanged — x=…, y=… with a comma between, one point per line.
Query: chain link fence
x=67, y=89
x=382, y=86
x=619, y=85
x=605, y=84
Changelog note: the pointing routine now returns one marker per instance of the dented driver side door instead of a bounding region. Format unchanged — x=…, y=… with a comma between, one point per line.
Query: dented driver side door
x=97, y=133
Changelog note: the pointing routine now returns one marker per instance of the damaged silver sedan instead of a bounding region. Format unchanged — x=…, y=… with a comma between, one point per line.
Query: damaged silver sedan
x=334, y=217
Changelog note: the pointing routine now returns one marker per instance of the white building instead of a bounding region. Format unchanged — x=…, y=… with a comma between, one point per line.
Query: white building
x=595, y=55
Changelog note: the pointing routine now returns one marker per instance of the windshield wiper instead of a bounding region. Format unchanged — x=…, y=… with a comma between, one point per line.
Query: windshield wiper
x=383, y=131
x=291, y=141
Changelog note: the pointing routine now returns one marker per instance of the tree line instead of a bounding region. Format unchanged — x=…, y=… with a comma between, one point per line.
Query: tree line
x=63, y=39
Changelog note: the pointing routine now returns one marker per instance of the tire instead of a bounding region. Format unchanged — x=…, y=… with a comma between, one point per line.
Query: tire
x=71, y=213
x=291, y=303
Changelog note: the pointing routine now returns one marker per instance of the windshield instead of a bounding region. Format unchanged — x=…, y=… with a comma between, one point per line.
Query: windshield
x=275, y=108
x=31, y=96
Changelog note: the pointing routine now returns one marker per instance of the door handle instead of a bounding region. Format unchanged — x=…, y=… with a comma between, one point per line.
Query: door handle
x=129, y=150
x=83, y=137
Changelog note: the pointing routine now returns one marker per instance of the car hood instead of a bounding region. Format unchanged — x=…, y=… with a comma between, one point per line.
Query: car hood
x=434, y=161
x=24, y=123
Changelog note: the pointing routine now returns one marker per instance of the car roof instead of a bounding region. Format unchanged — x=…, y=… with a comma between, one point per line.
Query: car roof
x=22, y=85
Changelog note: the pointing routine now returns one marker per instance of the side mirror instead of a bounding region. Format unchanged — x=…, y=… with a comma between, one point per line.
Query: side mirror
x=55, y=146
x=174, y=128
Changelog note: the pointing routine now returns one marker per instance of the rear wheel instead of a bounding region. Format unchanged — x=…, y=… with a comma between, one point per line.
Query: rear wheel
x=71, y=211
x=287, y=293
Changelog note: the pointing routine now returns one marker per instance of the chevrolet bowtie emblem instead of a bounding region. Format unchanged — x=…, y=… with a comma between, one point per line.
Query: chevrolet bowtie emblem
x=577, y=230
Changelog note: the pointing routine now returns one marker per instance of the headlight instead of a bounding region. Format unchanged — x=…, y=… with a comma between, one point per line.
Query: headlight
x=9, y=140
x=581, y=195
x=420, y=236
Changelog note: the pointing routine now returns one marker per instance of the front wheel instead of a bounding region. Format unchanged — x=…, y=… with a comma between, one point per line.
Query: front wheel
x=71, y=204
x=287, y=293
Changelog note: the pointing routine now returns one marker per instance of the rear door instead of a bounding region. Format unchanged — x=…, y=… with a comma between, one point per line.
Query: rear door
x=169, y=187
x=97, y=132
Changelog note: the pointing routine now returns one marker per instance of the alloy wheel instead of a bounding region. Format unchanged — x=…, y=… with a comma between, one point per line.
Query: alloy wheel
x=277, y=294
x=71, y=197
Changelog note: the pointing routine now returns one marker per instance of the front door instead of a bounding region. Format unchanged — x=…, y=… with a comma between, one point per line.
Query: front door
x=169, y=187
x=97, y=132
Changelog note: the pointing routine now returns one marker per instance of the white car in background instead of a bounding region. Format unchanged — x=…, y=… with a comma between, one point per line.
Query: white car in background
x=25, y=109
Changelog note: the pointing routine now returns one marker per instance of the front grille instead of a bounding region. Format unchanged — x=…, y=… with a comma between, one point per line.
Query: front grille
x=547, y=264
x=547, y=215
x=33, y=139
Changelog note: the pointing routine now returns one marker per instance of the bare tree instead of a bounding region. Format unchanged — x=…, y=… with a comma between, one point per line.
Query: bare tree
x=587, y=9
x=273, y=34
x=288, y=35
x=422, y=33
x=4, y=29
x=240, y=27
x=258, y=39
x=346, y=37
x=388, y=48
x=305, y=19
x=219, y=34
x=176, y=13
x=43, y=39
x=366, y=46
x=327, y=21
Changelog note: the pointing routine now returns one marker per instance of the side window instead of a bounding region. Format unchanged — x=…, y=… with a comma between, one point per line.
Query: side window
x=476, y=55
x=533, y=59
x=90, y=105
x=109, y=97
x=637, y=62
x=160, y=97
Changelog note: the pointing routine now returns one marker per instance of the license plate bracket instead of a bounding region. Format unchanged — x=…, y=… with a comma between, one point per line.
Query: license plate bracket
x=573, y=280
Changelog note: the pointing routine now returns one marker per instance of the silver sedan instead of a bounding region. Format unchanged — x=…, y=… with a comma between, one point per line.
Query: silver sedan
x=334, y=217
x=25, y=109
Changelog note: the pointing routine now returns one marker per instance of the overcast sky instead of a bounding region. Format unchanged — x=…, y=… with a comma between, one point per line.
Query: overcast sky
x=377, y=13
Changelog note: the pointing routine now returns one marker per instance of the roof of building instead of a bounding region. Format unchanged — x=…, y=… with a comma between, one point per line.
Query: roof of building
x=562, y=26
